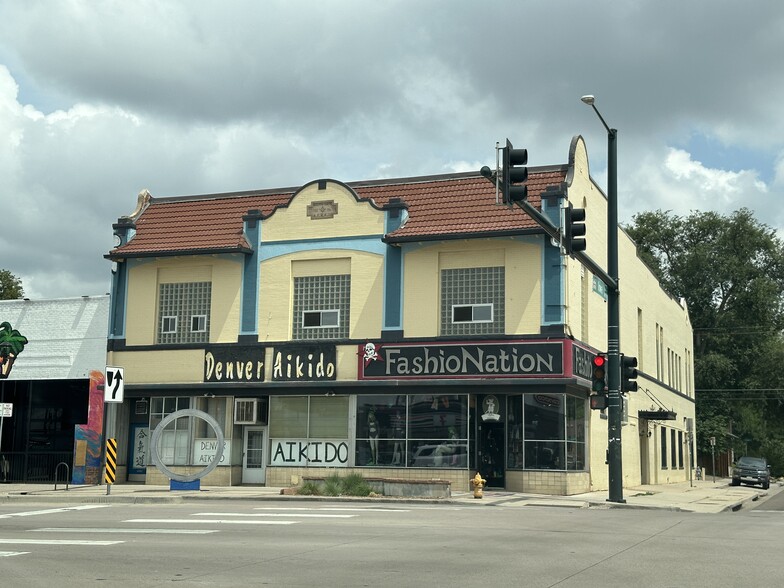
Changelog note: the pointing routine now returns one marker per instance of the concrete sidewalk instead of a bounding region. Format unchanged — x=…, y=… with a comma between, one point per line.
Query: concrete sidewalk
x=702, y=496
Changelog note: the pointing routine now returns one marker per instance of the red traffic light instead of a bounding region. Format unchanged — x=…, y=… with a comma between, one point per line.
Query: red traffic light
x=599, y=373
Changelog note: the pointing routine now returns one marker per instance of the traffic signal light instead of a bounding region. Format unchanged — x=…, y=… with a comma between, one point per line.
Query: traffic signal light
x=599, y=373
x=598, y=401
x=574, y=229
x=514, y=172
x=628, y=373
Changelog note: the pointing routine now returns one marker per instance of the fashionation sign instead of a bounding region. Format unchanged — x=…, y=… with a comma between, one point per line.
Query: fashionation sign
x=520, y=359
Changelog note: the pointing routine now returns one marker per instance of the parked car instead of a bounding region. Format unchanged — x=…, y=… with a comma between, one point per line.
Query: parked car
x=442, y=455
x=751, y=470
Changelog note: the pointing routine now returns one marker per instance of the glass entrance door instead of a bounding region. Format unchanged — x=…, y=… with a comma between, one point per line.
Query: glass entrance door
x=253, y=457
x=490, y=441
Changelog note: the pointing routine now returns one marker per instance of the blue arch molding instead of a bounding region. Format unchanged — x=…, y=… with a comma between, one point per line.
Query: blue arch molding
x=365, y=243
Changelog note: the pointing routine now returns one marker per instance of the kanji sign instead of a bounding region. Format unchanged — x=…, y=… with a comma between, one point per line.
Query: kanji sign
x=115, y=384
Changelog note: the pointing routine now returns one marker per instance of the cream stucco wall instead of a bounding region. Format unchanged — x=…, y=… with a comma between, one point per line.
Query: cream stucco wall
x=521, y=259
x=353, y=218
x=277, y=283
x=644, y=309
x=144, y=278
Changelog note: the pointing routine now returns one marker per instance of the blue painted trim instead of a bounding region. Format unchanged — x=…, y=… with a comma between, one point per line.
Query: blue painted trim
x=249, y=293
x=553, y=272
x=118, y=301
x=393, y=289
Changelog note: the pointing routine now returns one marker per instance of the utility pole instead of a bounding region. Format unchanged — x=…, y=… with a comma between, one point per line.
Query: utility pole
x=614, y=409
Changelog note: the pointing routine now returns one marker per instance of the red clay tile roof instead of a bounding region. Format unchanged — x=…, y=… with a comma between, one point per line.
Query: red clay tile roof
x=439, y=207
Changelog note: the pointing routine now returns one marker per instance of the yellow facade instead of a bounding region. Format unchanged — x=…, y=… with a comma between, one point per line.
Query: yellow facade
x=326, y=229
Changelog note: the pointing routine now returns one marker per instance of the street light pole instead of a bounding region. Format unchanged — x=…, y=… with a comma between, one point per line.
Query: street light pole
x=614, y=409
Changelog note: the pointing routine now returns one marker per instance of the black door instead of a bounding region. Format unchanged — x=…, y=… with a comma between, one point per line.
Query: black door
x=490, y=441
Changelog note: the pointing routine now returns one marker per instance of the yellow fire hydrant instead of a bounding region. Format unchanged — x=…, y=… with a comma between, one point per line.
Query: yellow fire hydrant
x=478, y=483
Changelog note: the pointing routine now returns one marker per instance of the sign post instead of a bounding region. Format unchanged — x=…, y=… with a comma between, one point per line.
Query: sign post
x=111, y=464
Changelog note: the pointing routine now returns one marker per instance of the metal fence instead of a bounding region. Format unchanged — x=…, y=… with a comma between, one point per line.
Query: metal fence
x=38, y=467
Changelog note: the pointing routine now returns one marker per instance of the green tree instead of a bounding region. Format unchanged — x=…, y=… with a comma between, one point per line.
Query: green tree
x=730, y=271
x=10, y=286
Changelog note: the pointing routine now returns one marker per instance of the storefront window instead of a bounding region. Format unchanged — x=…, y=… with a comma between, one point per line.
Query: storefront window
x=545, y=431
x=309, y=431
x=416, y=430
x=575, y=433
x=175, y=439
x=514, y=429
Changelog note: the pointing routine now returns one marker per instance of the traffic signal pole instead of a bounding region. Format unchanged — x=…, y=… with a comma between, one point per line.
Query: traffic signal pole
x=614, y=410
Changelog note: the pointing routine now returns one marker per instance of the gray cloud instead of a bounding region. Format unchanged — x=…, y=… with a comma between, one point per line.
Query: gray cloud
x=192, y=97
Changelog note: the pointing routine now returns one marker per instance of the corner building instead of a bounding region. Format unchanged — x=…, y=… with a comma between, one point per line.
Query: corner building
x=409, y=328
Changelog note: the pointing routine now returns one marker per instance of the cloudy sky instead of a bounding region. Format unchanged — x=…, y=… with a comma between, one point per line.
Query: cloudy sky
x=101, y=99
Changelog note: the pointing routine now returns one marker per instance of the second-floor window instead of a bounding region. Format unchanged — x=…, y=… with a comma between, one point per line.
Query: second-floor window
x=472, y=301
x=184, y=311
x=321, y=307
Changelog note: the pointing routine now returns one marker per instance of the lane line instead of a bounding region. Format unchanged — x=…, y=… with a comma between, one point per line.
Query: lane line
x=56, y=542
x=128, y=531
x=331, y=509
x=12, y=553
x=202, y=521
x=31, y=513
x=273, y=514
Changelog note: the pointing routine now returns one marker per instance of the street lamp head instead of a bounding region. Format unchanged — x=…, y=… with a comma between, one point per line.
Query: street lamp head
x=588, y=99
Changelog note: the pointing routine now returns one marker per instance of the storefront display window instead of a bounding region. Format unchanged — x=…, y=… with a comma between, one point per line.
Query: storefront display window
x=309, y=431
x=545, y=432
x=412, y=430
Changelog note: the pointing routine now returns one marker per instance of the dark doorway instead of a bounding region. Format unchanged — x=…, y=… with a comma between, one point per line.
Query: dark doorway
x=40, y=434
x=490, y=440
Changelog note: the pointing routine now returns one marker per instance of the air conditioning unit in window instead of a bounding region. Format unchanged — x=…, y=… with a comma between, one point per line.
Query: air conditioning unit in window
x=245, y=411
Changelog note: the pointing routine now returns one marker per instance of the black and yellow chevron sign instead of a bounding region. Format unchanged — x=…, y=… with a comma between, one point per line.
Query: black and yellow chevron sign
x=111, y=460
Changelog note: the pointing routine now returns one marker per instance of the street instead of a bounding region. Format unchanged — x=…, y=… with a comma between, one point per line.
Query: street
x=234, y=543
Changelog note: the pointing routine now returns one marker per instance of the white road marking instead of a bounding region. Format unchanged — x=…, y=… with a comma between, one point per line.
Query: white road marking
x=31, y=513
x=12, y=553
x=273, y=514
x=116, y=530
x=202, y=521
x=330, y=509
x=56, y=542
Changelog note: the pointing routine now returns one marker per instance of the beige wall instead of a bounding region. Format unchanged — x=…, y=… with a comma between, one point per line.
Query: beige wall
x=353, y=218
x=277, y=282
x=144, y=278
x=587, y=321
x=521, y=259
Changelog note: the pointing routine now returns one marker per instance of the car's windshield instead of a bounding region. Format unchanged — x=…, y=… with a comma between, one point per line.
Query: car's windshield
x=755, y=462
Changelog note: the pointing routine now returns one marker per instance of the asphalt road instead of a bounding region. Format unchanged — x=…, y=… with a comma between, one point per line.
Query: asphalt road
x=236, y=543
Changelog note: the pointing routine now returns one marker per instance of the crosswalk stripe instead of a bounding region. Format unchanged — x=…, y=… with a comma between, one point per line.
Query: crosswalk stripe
x=330, y=509
x=129, y=531
x=202, y=521
x=272, y=514
x=31, y=513
x=12, y=553
x=56, y=542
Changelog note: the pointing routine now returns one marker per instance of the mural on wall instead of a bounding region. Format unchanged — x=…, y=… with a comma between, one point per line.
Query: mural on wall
x=12, y=343
x=88, y=438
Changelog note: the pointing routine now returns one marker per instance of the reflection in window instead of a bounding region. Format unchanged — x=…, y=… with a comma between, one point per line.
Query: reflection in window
x=414, y=431
x=546, y=431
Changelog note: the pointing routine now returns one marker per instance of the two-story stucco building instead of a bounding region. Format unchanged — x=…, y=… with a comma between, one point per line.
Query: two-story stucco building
x=407, y=328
